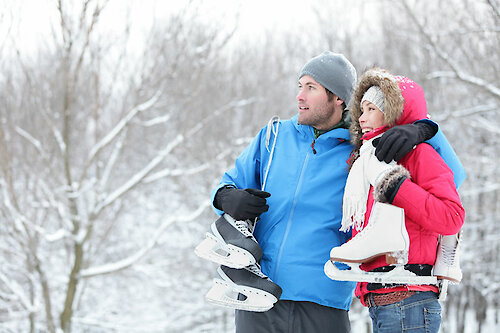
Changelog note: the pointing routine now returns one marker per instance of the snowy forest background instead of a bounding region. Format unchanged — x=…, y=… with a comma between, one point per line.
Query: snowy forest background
x=112, y=135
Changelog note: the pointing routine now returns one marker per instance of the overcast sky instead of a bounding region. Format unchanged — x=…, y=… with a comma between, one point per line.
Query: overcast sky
x=30, y=20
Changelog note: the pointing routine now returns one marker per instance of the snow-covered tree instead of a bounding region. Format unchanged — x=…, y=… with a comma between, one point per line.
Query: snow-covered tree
x=98, y=138
x=113, y=132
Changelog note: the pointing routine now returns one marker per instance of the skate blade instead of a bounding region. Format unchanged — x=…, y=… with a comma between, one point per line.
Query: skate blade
x=226, y=294
x=448, y=279
x=397, y=275
x=221, y=253
x=334, y=273
x=443, y=290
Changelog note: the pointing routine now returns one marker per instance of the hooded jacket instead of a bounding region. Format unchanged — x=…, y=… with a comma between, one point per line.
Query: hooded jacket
x=305, y=206
x=429, y=198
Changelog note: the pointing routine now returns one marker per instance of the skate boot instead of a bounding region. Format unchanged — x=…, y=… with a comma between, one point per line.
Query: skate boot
x=231, y=244
x=244, y=289
x=447, y=265
x=385, y=234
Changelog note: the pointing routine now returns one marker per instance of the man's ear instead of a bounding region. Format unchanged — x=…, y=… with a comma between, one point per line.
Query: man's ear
x=338, y=100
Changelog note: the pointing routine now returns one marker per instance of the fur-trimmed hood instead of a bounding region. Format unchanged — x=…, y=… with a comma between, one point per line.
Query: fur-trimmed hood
x=404, y=100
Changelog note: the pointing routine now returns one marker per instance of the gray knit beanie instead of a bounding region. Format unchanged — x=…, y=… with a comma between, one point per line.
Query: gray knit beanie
x=334, y=72
x=375, y=96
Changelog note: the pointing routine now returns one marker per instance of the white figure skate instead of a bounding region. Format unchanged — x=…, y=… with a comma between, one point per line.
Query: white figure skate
x=244, y=289
x=385, y=234
x=447, y=265
x=231, y=243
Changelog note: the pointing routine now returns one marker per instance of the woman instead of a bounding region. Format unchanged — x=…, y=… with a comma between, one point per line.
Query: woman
x=421, y=184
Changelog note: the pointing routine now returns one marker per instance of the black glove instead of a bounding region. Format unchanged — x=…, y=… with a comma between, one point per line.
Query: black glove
x=398, y=141
x=241, y=204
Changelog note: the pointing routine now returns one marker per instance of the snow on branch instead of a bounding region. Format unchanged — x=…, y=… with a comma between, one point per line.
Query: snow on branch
x=484, y=124
x=455, y=68
x=474, y=192
x=57, y=134
x=155, y=121
x=176, y=172
x=468, y=112
x=236, y=104
x=144, y=172
x=131, y=260
x=18, y=291
x=468, y=79
x=139, y=176
x=494, y=7
x=32, y=140
x=38, y=146
x=121, y=125
x=113, y=158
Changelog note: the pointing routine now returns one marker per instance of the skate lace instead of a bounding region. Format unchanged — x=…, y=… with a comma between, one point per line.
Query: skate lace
x=255, y=269
x=244, y=228
x=363, y=232
x=448, y=254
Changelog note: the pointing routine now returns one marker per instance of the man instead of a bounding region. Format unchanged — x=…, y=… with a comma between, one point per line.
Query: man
x=300, y=220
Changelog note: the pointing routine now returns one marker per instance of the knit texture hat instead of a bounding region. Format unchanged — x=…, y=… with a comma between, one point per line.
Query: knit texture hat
x=375, y=96
x=334, y=72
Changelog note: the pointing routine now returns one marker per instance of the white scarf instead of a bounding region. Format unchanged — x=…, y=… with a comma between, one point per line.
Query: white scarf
x=356, y=189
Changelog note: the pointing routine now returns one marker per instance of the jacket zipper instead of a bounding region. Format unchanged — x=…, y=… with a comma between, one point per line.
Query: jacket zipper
x=292, y=211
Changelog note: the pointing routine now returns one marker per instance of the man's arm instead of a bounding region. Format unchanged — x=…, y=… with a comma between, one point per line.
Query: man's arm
x=238, y=194
x=398, y=141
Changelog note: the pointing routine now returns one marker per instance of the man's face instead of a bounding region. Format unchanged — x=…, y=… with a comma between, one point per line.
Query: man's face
x=314, y=108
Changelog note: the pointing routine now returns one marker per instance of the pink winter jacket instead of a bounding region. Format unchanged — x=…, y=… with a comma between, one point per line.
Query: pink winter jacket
x=432, y=207
x=430, y=200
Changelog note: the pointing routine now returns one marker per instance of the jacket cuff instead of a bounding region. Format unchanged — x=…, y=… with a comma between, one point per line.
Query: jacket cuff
x=432, y=127
x=214, y=193
x=220, y=194
x=386, y=189
x=427, y=130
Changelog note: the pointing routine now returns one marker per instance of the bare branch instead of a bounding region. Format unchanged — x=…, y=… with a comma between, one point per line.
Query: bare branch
x=45, y=292
x=138, y=177
x=479, y=109
x=495, y=7
x=155, y=121
x=144, y=172
x=484, y=124
x=474, y=192
x=57, y=134
x=95, y=16
x=176, y=172
x=468, y=79
x=113, y=158
x=131, y=260
x=457, y=73
x=119, y=128
x=66, y=31
x=18, y=291
x=32, y=140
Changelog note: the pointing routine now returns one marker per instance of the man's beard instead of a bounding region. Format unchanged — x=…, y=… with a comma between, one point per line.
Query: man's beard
x=319, y=117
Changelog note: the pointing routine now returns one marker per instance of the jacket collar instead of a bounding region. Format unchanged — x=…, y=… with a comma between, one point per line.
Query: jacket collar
x=341, y=134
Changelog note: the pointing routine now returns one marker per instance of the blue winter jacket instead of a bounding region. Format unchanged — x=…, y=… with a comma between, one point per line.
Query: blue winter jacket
x=305, y=207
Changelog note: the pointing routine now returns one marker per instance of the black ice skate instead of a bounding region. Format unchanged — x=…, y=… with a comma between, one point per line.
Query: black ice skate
x=244, y=289
x=231, y=243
